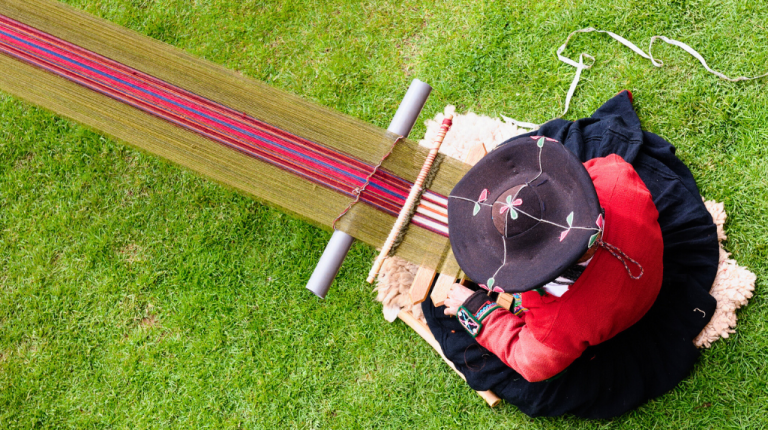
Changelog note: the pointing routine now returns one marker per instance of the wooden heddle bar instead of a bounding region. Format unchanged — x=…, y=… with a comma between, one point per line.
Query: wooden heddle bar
x=232, y=129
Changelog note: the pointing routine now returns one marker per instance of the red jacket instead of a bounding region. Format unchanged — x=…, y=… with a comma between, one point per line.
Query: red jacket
x=603, y=301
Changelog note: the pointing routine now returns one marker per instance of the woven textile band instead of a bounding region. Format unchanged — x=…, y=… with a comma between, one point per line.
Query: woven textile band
x=311, y=161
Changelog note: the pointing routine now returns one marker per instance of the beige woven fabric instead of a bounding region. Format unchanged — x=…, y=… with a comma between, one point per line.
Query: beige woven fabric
x=246, y=174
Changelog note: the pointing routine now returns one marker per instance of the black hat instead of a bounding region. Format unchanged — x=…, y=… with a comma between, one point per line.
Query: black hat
x=523, y=214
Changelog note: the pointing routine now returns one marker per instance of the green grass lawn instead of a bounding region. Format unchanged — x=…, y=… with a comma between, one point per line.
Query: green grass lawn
x=134, y=294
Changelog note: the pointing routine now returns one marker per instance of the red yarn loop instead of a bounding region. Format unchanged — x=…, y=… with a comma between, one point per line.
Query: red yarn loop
x=621, y=256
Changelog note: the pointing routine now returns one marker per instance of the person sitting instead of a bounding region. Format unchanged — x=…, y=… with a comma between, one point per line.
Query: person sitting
x=550, y=212
x=599, y=233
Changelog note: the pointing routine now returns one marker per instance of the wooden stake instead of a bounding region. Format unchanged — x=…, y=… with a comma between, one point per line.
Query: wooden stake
x=505, y=300
x=409, y=203
x=475, y=154
x=442, y=286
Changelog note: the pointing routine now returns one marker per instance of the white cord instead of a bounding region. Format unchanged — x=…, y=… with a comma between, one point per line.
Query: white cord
x=580, y=65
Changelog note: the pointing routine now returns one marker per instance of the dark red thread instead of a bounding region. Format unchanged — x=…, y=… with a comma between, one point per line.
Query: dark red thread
x=231, y=128
x=359, y=190
x=621, y=256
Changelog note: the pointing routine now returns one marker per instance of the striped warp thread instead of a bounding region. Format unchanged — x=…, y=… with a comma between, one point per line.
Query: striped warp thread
x=312, y=161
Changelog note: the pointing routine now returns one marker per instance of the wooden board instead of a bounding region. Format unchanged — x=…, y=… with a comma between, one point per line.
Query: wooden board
x=421, y=283
x=441, y=289
x=505, y=300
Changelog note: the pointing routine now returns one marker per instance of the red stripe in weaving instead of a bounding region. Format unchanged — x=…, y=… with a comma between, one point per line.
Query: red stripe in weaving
x=234, y=129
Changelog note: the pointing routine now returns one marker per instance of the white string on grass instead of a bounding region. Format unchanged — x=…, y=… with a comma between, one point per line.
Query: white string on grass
x=580, y=65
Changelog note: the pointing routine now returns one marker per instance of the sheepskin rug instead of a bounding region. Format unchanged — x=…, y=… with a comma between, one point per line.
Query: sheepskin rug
x=733, y=286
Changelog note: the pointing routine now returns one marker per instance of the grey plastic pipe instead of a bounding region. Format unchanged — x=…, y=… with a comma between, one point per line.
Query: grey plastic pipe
x=338, y=247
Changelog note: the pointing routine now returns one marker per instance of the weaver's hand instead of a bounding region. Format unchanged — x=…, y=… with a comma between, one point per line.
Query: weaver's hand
x=457, y=295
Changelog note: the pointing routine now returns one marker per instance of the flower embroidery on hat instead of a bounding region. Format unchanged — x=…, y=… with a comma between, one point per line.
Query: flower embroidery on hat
x=542, y=139
x=488, y=286
x=483, y=197
x=569, y=220
x=534, y=200
x=510, y=206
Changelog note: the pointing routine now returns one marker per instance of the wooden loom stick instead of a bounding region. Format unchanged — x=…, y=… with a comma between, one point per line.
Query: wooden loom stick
x=405, y=211
x=423, y=331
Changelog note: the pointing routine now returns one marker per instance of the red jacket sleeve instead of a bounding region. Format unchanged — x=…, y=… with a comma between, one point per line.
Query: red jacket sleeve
x=506, y=336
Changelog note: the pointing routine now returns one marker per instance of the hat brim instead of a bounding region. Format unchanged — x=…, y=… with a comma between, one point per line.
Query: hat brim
x=551, y=244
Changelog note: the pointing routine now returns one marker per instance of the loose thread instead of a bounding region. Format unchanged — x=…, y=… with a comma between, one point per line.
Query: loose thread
x=359, y=190
x=580, y=66
x=621, y=256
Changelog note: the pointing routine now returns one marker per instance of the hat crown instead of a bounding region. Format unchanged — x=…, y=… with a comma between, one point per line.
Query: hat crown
x=517, y=210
